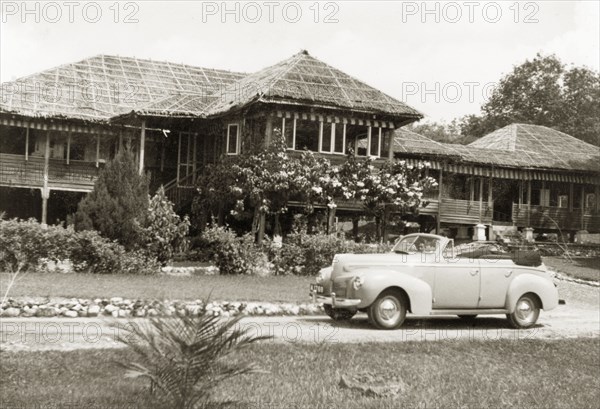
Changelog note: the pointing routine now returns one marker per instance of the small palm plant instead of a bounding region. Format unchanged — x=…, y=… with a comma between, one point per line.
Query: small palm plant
x=183, y=357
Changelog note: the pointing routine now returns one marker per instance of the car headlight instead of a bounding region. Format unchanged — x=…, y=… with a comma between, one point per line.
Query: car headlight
x=324, y=275
x=357, y=282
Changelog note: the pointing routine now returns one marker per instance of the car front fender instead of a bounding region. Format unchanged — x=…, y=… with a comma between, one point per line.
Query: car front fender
x=531, y=283
x=375, y=282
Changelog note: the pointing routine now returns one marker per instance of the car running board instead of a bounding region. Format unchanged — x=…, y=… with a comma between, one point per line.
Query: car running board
x=469, y=312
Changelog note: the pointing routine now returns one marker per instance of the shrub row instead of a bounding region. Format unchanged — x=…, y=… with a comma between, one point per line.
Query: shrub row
x=25, y=244
x=300, y=254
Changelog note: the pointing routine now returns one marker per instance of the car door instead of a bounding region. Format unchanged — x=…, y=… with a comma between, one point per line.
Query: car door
x=456, y=283
x=496, y=275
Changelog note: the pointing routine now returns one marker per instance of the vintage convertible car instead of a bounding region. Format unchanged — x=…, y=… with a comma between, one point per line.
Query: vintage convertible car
x=426, y=274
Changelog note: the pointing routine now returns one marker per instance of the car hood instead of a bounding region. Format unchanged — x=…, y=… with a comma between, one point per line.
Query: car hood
x=346, y=263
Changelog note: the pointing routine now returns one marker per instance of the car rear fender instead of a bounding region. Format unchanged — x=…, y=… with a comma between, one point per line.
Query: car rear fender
x=542, y=287
x=418, y=291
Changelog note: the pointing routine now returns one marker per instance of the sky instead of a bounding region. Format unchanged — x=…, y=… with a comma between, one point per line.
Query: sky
x=442, y=58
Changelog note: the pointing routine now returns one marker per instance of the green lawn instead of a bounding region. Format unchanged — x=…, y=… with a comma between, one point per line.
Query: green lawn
x=232, y=288
x=585, y=268
x=507, y=374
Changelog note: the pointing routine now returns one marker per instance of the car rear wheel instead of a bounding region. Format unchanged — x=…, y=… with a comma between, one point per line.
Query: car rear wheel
x=526, y=312
x=338, y=314
x=388, y=311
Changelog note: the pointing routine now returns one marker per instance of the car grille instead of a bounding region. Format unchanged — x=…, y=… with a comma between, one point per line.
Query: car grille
x=339, y=288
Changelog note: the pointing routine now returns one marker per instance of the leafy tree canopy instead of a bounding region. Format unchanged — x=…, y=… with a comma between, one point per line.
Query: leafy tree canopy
x=543, y=91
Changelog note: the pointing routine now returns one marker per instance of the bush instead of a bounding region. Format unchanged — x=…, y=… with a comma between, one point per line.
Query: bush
x=166, y=233
x=26, y=244
x=90, y=252
x=233, y=254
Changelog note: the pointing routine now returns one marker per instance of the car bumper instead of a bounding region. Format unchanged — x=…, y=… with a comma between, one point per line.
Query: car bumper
x=334, y=301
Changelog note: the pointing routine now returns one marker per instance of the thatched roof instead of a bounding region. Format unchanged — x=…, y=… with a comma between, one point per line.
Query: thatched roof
x=104, y=87
x=302, y=79
x=409, y=142
x=100, y=87
x=514, y=146
x=540, y=146
x=173, y=106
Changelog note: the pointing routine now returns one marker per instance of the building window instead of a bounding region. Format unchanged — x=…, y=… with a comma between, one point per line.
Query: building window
x=339, y=138
x=233, y=136
x=289, y=132
x=374, y=141
x=307, y=135
x=356, y=138
x=326, y=137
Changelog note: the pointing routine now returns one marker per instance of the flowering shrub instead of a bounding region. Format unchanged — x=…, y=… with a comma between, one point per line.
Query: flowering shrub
x=166, y=233
x=269, y=179
x=25, y=244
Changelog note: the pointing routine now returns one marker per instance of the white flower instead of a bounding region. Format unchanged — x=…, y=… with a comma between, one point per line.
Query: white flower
x=317, y=189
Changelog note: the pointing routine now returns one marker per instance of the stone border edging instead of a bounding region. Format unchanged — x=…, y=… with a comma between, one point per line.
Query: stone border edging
x=118, y=307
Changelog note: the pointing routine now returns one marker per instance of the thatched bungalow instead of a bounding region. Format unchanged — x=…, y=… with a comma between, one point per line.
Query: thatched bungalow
x=524, y=176
x=58, y=128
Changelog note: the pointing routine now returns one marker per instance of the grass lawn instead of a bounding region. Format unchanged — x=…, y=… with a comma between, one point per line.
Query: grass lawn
x=232, y=288
x=585, y=268
x=519, y=374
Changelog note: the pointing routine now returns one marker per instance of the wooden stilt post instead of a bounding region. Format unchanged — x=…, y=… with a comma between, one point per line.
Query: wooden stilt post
x=480, y=200
x=27, y=143
x=528, y=202
x=120, y=140
x=582, y=206
x=520, y=199
x=438, y=221
x=571, y=197
x=45, y=189
x=142, y=145
x=162, y=156
x=390, y=138
x=97, y=150
x=471, y=189
x=69, y=147
x=178, y=158
x=194, y=158
x=330, y=220
x=262, y=219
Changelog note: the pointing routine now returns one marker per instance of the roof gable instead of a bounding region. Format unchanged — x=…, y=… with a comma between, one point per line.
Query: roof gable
x=305, y=79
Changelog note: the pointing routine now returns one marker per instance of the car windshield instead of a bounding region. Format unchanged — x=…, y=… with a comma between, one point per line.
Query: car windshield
x=417, y=244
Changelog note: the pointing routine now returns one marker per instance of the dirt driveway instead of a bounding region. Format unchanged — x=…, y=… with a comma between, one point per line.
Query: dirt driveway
x=580, y=317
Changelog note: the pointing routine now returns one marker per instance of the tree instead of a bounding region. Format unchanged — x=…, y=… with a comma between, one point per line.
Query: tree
x=438, y=131
x=543, y=92
x=118, y=205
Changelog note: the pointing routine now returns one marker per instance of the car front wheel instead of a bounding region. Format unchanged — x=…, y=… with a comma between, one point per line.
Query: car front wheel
x=338, y=314
x=388, y=311
x=526, y=312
